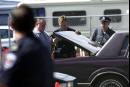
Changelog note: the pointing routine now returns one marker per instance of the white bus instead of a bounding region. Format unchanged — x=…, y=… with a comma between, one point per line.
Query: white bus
x=82, y=15
x=6, y=35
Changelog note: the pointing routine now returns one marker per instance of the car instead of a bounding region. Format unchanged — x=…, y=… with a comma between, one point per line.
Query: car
x=107, y=66
x=64, y=80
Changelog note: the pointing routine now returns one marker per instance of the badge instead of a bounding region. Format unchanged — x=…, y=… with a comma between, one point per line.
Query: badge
x=10, y=60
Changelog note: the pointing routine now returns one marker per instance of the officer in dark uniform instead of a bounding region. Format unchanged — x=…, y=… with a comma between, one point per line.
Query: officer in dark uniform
x=102, y=35
x=61, y=47
x=29, y=65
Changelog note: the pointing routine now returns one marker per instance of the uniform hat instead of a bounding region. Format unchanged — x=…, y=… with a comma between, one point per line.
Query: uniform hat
x=107, y=19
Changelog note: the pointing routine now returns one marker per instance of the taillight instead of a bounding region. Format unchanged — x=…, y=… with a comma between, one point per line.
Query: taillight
x=5, y=50
x=57, y=84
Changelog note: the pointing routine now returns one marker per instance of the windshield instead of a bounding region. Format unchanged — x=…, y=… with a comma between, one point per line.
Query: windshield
x=4, y=33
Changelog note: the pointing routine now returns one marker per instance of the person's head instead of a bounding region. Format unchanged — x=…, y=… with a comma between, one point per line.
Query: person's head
x=105, y=22
x=62, y=20
x=40, y=24
x=22, y=19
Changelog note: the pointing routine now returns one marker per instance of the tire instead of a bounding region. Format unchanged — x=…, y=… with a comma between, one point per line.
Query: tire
x=110, y=81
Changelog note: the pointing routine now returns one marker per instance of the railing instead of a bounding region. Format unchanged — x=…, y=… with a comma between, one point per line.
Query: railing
x=87, y=24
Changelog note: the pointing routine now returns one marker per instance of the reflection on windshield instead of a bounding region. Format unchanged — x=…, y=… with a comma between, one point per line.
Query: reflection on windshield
x=4, y=33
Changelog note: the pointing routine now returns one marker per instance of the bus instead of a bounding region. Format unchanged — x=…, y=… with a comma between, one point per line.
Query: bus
x=6, y=35
x=83, y=15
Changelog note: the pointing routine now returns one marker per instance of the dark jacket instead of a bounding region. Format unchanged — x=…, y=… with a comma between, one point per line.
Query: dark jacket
x=63, y=48
x=101, y=37
x=32, y=66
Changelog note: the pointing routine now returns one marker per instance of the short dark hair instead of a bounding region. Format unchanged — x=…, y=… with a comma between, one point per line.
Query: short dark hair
x=22, y=19
x=40, y=20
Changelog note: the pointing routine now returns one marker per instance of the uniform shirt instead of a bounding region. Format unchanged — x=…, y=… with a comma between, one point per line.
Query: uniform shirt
x=102, y=37
x=30, y=65
x=44, y=37
x=63, y=48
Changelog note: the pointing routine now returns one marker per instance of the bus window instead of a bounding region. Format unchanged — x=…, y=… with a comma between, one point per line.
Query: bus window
x=39, y=12
x=4, y=19
x=4, y=33
x=115, y=19
x=79, y=21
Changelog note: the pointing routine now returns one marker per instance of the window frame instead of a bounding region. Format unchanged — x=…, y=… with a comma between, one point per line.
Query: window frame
x=5, y=12
x=115, y=19
x=6, y=32
x=80, y=23
x=36, y=11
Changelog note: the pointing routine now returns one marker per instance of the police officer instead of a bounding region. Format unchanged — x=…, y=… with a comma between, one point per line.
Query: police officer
x=29, y=65
x=102, y=35
x=61, y=47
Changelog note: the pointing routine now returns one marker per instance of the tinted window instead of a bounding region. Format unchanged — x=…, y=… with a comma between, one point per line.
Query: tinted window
x=39, y=12
x=5, y=34
x=79, y=21
x=113, y=12
x=3, y=19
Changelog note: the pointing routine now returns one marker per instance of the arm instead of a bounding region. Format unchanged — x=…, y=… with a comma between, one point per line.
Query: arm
x=94, y=35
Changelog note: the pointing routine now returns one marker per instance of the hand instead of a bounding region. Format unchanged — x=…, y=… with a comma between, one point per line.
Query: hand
x=78, y=32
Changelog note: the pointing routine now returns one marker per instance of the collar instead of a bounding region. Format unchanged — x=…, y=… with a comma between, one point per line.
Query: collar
x=36, y=30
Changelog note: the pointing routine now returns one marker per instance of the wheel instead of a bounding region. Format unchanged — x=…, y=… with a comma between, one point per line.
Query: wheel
x=110, y=81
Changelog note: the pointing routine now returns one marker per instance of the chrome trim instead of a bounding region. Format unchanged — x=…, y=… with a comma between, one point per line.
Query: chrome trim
x=102, y=74
x=84, y=83
x=110, y=72
x=110, y=81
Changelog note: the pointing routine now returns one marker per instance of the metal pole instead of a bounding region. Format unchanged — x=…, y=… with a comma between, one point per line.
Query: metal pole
x=90, y=26
x=1, y=59
x=9, y=36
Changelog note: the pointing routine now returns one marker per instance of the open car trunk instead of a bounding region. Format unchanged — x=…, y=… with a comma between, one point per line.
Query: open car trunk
x=79, y=40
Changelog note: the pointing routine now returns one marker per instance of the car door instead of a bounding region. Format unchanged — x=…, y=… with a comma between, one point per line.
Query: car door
x=83, y=68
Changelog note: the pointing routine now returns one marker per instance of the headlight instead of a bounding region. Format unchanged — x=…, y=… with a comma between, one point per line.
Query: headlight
x=64, y=80
x=69, y=84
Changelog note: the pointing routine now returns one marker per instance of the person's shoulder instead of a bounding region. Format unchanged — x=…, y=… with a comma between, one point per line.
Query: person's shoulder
x=97, y=30
x=71, y=29
x=111, y=31
x=48, y=34
x=31, y=43
x=53, y=34
x=57, y=30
